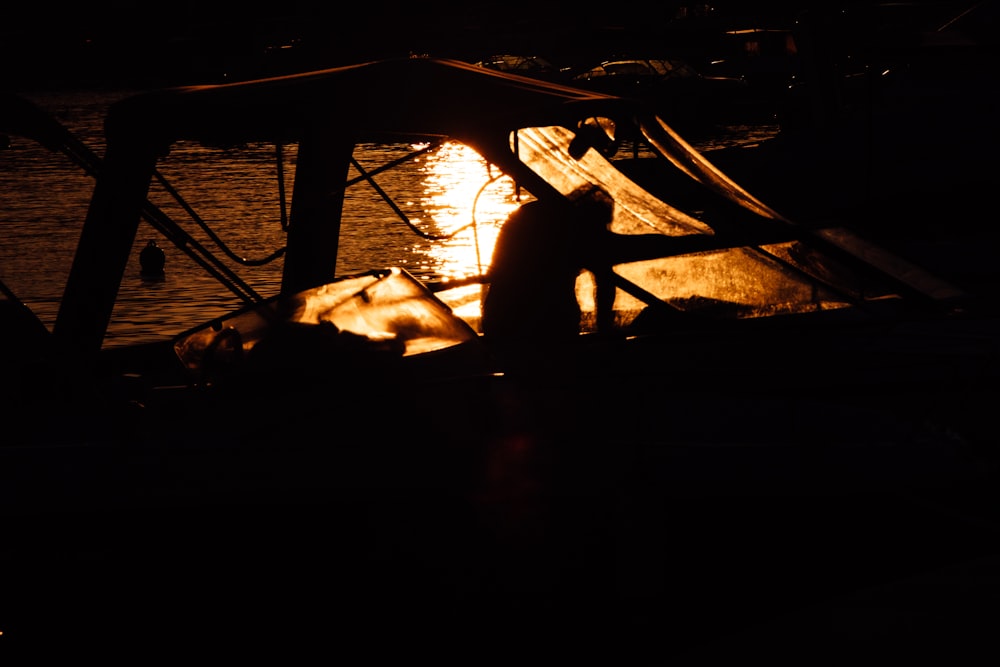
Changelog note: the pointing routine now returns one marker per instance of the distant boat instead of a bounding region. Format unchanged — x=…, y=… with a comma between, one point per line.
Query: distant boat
x=679, y=92
x=535, y=67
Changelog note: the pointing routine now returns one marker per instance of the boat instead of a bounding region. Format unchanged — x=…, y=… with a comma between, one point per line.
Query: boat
x=778, y=413
x=684, y=96
x=532, y=66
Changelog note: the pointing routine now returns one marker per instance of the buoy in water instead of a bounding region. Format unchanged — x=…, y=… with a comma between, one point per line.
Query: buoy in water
x=152, y=260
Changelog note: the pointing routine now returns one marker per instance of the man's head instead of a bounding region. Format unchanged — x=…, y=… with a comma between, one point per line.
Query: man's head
x=593, y=205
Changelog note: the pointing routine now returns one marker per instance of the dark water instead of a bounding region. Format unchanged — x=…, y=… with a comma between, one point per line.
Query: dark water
x=447, y=195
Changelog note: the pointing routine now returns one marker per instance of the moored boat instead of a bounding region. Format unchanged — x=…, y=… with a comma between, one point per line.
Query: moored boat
x=750, y=363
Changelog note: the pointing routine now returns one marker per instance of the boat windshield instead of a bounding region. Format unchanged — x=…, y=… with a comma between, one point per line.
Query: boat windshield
x=385, y=313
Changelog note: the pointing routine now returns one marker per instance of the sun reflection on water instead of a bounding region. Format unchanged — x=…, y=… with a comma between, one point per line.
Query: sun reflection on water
x=466, y=202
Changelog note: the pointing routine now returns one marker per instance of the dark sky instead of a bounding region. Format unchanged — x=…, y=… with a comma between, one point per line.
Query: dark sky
x=201, y=40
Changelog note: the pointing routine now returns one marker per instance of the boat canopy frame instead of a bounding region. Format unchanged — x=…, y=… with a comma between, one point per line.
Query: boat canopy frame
x=329, y=112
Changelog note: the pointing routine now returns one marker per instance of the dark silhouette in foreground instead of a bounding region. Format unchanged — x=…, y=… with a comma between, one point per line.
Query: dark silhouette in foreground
x=531, y=312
